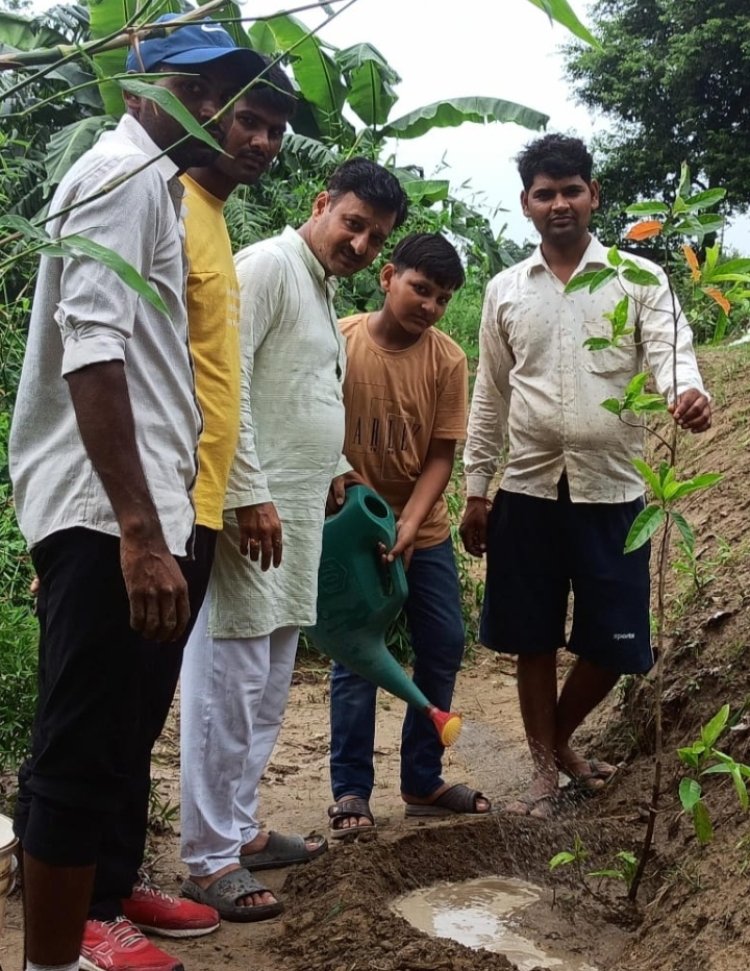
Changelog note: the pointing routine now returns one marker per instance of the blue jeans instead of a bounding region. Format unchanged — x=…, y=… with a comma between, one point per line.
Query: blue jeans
x=433, y=613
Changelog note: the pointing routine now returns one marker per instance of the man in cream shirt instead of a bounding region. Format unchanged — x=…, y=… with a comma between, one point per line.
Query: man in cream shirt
x=239, y=660
x=569, y=492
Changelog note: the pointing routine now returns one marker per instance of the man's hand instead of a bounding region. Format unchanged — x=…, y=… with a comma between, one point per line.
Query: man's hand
x=473, y=528
x=157, y=591
x=260, y=534
x=692, y=410
x=337, y=492
x=406, y=535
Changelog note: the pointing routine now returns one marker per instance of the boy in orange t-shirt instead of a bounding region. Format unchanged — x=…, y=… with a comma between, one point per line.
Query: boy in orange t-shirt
x=405, y=395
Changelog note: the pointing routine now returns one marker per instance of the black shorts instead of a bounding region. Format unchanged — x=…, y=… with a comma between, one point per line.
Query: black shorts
x=540, y=549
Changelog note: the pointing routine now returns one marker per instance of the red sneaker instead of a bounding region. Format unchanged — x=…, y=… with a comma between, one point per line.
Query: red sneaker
x=155, y=911
x=115, y=945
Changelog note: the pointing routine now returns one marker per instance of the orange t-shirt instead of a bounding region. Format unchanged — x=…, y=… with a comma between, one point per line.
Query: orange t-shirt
x=396, y=402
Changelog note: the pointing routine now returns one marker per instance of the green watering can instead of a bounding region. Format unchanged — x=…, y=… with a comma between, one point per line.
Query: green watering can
x=358, y=597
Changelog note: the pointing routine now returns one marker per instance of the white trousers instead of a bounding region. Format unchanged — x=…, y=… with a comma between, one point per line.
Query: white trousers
x=233, y=697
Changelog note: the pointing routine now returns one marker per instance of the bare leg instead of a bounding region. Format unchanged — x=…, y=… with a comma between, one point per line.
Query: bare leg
x=56, y=902
x=537, y=695
x=585, y=687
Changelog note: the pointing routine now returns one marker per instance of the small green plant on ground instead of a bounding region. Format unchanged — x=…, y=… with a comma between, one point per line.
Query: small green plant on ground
x=703, y=758
x=162, y=812
x=623, y=867
x=698, y=569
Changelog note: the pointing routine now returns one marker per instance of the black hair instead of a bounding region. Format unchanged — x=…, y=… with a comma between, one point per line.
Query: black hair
x=554, y=155
x=371, y=183
x=274, y=90
x=433, y=255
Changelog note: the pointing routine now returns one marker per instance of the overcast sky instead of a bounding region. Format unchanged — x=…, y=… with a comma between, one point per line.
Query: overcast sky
x=496, y=48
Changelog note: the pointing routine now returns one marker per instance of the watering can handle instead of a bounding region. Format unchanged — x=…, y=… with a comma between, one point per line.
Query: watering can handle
x=393, y=577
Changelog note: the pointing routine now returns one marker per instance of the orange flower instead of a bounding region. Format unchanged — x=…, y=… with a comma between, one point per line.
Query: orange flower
x=719, y=297
x=644, y=230
x=692, y=261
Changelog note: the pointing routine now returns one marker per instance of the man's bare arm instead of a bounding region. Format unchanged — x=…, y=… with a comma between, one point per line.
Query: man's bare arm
x=159, y=607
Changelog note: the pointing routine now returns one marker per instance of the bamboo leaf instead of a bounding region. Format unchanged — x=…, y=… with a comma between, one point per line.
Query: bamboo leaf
x=172, y=105
x=562, y=12
x=644, y=526
x=78, y=246
x=17, y=224
x=456, y=111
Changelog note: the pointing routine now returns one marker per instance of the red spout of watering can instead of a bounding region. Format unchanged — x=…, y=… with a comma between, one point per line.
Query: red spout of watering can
x=359, y=596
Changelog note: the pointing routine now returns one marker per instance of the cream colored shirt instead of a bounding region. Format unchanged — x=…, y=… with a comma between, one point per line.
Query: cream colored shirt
x=291, y=435
x=84, y=314
x=535, y=373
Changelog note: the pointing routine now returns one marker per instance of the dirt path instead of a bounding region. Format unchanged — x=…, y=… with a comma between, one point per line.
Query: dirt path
x=490, y=755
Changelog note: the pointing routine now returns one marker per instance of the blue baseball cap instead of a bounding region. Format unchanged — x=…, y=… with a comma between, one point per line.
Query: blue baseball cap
x=199, y=42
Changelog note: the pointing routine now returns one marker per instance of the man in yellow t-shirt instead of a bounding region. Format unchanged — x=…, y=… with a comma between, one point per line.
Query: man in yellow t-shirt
x=405, y=395
x=254, y=141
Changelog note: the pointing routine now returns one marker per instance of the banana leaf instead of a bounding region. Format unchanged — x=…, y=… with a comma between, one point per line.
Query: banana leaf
x=456, y=111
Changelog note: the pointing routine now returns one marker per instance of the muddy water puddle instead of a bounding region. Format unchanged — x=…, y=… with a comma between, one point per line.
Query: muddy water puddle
x=486, y=913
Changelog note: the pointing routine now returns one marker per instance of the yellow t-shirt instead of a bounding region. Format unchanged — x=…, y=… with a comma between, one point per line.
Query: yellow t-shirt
x=396, y=402
x=213, y=322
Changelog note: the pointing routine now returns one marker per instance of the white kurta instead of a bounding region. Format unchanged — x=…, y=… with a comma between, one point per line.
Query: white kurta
x=291, y=436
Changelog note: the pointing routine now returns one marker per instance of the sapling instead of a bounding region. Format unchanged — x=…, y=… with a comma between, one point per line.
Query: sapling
x=687, y=216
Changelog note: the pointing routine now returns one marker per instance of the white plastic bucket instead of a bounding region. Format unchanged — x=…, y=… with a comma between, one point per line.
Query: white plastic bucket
x=8, y=844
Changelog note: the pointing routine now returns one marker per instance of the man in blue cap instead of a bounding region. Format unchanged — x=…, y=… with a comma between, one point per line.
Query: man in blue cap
x=103, y=462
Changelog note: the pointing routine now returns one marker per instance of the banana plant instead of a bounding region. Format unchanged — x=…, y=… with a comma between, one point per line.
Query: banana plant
x=359, y=78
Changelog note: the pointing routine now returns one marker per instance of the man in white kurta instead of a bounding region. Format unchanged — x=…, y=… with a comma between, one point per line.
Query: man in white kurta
x=239, y=661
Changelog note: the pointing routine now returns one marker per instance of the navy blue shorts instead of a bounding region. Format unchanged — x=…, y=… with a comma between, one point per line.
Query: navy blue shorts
x=538, y=550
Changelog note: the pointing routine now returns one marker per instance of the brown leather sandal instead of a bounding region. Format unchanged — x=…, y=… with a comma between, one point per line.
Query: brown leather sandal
x=351, y=807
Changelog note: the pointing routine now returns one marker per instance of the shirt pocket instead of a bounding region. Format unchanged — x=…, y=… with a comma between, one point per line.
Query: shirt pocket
x=609, y=360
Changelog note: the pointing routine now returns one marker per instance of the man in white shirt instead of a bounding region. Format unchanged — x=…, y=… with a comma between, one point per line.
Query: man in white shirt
x=569, y=492
x=239, y=658
x=103, y=462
